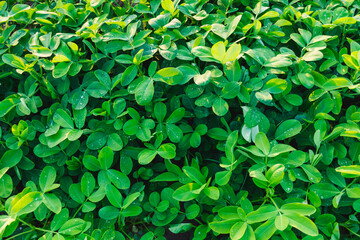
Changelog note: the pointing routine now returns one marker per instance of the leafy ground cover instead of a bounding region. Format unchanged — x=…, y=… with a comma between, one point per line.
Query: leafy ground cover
x=179, y=119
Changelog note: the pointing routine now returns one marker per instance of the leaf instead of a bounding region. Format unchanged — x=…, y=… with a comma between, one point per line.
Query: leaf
x=203, y=79
x=109, y=213
x=185, y=193
x=262, y=214
x=168, y=5
x=106, y=157
x=313, y=174
x=279, y=149
x=96, y=140
x=312, y=56
x=351, y=171
x=63, y=119
x=192, y=211
x=345, y=20
x=194, y=174
x=266, y=230
x=52, y=202
x=176, y=116
x=281, y=222
x=287, y=129
x=220, y=107
x=80, y=100
x=324, y=190
x=91, y=163
x=299, y=208
x=170, y=76
x=146, y=156
x=167, y=151
x=6, y=106
x=11, y=158
x=14, y=61
x=218, y=51
x=114, y=196
x=87, y=184
x=237, y=231
x=144, y=92
x=6, y=186
x=223, y=227
x=119, y=179
x=302, y=223
x=262, y=143
x=73, y=227
x=61, y=69
x=26, y=204
x=275, y=86
x=47, y=178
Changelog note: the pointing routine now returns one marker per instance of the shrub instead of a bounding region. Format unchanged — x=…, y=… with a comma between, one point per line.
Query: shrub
x=145, y=119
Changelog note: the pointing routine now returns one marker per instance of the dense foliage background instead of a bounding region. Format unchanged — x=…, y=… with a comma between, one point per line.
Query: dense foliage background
x=204, y=119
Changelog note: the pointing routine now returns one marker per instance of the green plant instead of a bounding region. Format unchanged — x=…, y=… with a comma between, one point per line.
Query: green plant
x=142, y=119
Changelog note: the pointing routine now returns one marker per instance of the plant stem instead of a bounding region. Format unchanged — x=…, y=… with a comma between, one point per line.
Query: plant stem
x=33, y=227
x=17, y=235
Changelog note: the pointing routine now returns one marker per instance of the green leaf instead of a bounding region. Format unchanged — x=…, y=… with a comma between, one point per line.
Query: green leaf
x=194, y=174
x=52, y=202
x=109, y=213
x=61, y=69
x=80, y=99
x=146, y=156
x=59, y=219
x=351, y=171
x=106, y=157
x=176, y=116
x=192, y=211
x=287, y=129
x=220, y=106
x=26, y=204
x=119, y=179
x=87, y=184
x=275, y=86
x=281, y=222
x=223, y=227
x=170, y=76
x=262, y=214
x=299, y=208
x=6, y=105
x=47, y=178
x=312, y=56
x=6, y=186
x=218, y=51
x=212, y=192
x=324, y=190
x=14, y=61
x=262, y=142
x=11, y=158
x=302, y=223
x=167, y=151
x=313, y=174
x=237, y=231
x=91, y=163
x=174, y=133
x=63, y=119
x=144, y=92
x=168, y=5
x=114, y=196
x=73, y=227
x=345, y=20
x=279, y=149
x=266, y=230
x=185, y=193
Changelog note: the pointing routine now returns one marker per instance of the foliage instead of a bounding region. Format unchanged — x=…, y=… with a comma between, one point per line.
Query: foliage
x=140, y=119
